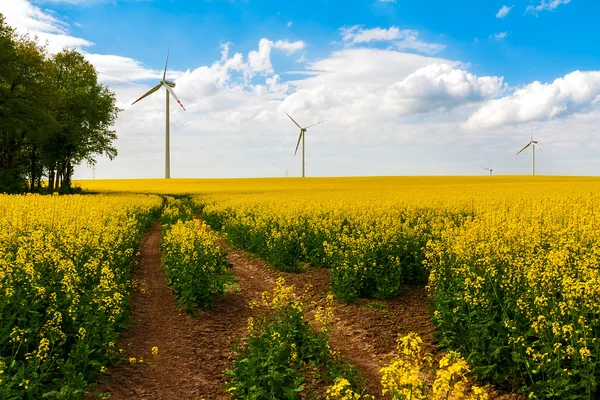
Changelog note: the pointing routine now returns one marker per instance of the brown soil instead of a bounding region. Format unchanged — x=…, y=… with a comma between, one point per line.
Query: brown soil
x=194, y=351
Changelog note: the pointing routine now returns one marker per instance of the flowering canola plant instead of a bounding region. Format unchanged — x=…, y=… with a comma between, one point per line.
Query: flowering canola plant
x=406, y=376
x=64, y=287
x=194, y=263
x=516, y=289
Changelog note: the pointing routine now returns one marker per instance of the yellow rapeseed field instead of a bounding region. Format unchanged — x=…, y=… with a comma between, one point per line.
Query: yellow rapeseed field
x=511, y=262
x=64, y=287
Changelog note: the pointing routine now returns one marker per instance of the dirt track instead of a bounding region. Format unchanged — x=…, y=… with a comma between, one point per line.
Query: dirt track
x=195, y=351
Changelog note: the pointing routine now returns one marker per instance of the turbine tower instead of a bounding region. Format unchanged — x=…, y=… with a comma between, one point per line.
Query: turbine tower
x=170, y=92
x=533, y=144
x=301, y=137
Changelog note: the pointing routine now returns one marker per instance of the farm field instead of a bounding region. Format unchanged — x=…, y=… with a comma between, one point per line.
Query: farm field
x=64, y=282
x=498, y=276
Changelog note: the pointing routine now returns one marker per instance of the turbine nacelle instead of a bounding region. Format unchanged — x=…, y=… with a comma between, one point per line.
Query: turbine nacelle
x=168, y=83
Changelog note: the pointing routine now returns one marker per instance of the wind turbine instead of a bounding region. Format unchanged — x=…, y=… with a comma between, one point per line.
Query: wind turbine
x=301, y=137
x=533, y=144
x=489, y=169
x=169, y=86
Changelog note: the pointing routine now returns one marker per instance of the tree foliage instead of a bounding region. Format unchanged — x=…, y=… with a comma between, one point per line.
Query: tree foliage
x=54, y=115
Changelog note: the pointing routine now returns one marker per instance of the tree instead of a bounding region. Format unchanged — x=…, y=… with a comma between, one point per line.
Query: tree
x=22, y=102
x=84, y=111
x=54, y=114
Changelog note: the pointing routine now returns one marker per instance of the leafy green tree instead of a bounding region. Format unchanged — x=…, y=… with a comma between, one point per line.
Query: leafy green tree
x=24, y=100
x=54, y=114
x=85, y=111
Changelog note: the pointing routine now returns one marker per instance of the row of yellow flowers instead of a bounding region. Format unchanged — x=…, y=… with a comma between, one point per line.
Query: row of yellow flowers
x=195, y=264
x=372, y=242
x=513, y=264
x=64, y=287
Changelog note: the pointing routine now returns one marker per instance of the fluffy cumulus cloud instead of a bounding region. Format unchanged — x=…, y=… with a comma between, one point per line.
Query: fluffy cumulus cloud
x=260, y=60
x=402, y=39
x=574, y=93
x=503, y=12
x=545, y=5
x=439, y=87
x=30, y=19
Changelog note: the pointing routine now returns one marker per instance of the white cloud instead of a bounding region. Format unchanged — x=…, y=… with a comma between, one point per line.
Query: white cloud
x=289, y=24
x=352, y=93
x=545, y=5
x=499, y=35
x=112, y=68
x=403, y=39
x=574, y=93
x=289, y=47
x=411, y=41
x=365, y=67
x=260, y=60
x=503, y=12
x=30, y=19
x=388, y=1
x=439, y=87
x=356, y=34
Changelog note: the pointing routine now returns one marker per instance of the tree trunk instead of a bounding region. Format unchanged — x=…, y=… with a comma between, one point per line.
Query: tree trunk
x=33, y=169
x=51, y=174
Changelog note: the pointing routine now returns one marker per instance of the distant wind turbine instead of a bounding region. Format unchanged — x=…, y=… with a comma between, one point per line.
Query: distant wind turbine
x=533, y=144
x=169, y=86
x=301, y=137
x=489, y=169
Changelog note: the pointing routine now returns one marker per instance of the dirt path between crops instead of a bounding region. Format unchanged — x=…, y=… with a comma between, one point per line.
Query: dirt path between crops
x=194, y=351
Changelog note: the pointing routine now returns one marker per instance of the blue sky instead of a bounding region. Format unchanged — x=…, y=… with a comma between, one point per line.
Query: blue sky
x=408, y=87
x=541, y=47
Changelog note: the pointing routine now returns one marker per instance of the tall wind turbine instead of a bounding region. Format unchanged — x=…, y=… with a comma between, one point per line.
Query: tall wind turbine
x=169, y=86
x=301, y=137
x=533, y=144
x=489, y=169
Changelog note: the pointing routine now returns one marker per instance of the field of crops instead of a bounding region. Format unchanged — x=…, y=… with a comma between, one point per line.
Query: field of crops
x=511, y=266
x=64, y=285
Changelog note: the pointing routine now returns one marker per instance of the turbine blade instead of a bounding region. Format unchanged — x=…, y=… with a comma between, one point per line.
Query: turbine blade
x=487, y=169
x=315, y=124
x=154, y=89
x=167, y=63
x=170, y=89
x=293, y=120
x=528, y=144
x=538, y=146
x=299, y=137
